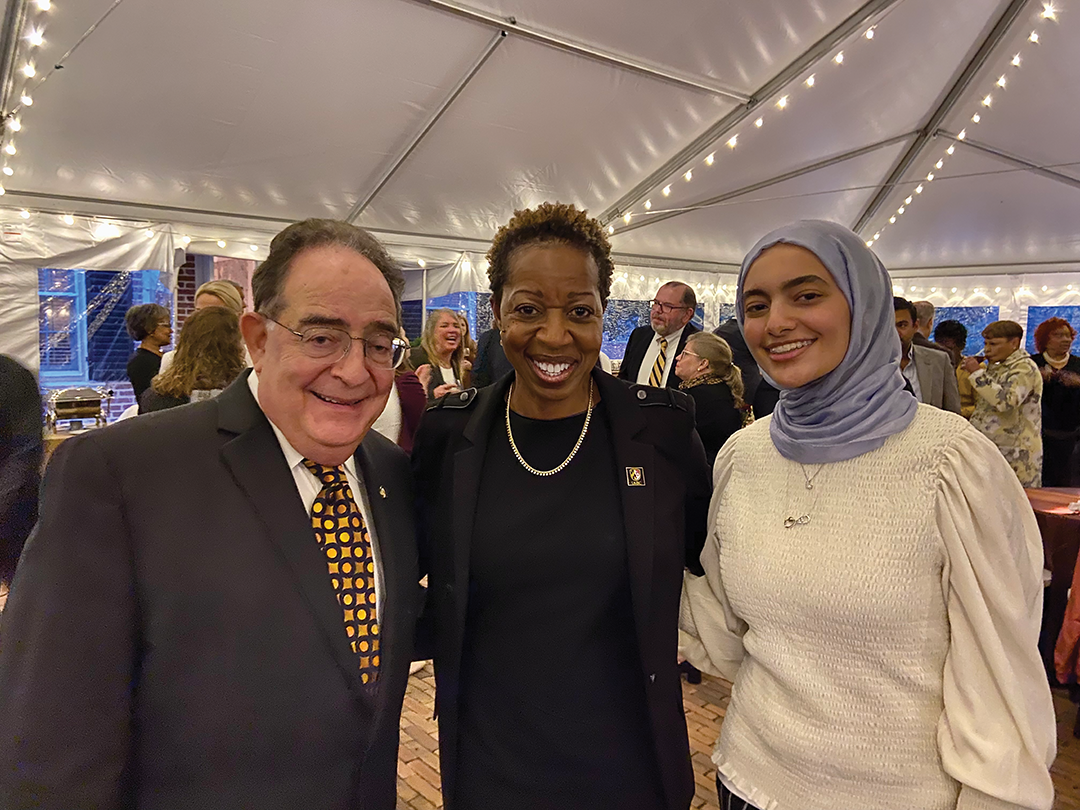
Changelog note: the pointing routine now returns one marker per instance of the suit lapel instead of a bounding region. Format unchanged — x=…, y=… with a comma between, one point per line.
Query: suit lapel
x=924, y=373
x=254, y=458
x=638, y=502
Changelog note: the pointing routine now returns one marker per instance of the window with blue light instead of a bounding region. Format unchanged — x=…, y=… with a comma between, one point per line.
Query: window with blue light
x=974, y=319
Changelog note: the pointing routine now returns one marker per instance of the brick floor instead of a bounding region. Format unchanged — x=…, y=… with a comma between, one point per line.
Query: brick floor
x=418, y=762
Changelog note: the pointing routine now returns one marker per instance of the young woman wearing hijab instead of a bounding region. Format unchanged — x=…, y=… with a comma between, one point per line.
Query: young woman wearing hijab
x=873, y=572
x=558, y=507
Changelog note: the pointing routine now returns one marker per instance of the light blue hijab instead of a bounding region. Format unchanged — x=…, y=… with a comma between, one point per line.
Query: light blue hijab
x=859, y=404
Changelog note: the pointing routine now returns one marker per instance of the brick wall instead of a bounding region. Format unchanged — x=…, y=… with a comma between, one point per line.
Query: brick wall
x=185, y=293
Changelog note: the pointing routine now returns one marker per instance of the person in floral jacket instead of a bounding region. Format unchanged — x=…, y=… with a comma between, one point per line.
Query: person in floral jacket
x=1008, y=400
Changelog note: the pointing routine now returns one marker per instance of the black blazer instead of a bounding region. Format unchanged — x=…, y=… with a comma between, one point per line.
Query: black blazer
x=173, y=640
x=638, y=344
x=664, y=521
x=717, y=416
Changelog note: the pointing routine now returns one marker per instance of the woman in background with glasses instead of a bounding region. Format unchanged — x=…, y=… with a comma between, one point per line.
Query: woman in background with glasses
x=710, y=376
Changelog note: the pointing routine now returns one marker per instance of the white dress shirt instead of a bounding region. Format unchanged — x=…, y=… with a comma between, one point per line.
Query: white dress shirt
x=653, y=352
x=911, y=374
x=309, y=488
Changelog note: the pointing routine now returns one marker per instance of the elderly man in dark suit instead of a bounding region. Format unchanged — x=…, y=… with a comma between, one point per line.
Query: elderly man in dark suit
x=651, y=350
x=217, y=606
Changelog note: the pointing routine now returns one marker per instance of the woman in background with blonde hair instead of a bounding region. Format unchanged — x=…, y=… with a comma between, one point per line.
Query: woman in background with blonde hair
x=710, y=376
x=209, y=356
x=438, y=358
x=214, y=293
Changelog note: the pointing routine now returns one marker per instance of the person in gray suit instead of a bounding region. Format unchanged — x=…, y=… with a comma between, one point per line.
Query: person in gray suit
x=928, y=371
x=217, y=606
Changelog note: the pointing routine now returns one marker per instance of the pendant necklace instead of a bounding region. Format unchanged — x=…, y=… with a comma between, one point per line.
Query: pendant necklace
x=791, y=521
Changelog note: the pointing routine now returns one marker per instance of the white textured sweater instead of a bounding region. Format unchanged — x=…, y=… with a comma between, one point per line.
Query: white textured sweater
x=884, y=654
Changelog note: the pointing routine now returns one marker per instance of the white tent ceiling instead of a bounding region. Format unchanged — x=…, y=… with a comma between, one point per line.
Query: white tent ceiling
x=430, y=122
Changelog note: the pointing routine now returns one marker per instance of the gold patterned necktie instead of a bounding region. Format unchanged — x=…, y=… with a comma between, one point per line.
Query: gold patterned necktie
x=341, y=531
x=657, y=373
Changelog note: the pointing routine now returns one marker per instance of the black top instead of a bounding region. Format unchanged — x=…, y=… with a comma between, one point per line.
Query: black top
x=716, y=414
x=20, y=460
x=152, y=401
x=1060, y=402
x=142, y=367
x=491, y=363
x=553, y=710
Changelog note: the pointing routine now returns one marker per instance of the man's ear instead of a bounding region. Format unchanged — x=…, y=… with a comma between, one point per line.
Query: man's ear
x=254, y=329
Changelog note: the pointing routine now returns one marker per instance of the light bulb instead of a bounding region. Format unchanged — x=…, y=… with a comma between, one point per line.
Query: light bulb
x=839, y=58
x=869, y=243
x=950, y=150
x=186, y=240
x=877, y=236
x=810, y=80
x=27, y=101
x=626, y=217
x=759, y=122
x=954, y=289
x=1001, y=81
x=782, y=102
x=892, y=220
x=912, y=288
x=962, y=135
x=933, y=289
x=1048, y=11
x=648, y=205
x=149, y=232
x=610, y=229
x=710, y=159
x=930, y=177
x=3, y=191
x=35, y=39
x=869, y=32
x=422, y=264
x=986, y=102
x=44, y=5
x=9, y=171
x=221, y=243
x=939, y=164
x=1068, y=287
x=901, y=210
x=919, y=188
x=1045, y=288
x=1034, y=37
x=976, y=118
x=688, y=176
x=24, y=214
x=908, y=201
x=10, y=149
x=253, y=248
x=1016, y=61
x=69, y=219
x=29, y=71
x=667, y=190
x=15, y=124
x=732, y=141
x=641, y=278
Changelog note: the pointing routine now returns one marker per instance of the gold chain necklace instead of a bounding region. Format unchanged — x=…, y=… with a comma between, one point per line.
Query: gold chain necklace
x=569, y=458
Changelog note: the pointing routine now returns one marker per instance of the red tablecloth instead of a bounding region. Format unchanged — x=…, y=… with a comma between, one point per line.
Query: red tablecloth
x=1061, y=542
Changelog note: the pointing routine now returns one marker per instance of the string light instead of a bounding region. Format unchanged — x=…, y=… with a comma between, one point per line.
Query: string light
x=1034, y=37
x=939, y=164
x=10, y=149
x=962, y=135
x=839, y=58
x=892, y=220
x=422, y=264
x=759, y=122
x=9, y=171
x=667, y=190
x=950, y=150
x=1049, y=12
x=253, y=248
x=68, y=219
x=810, y=80
x=26, y=100
x=221, y=243
x=150, y=232
x=986, y=102
x=930, y=177
x=782, y=103
x=626, y=217
x=901, y=210
x=15, y=124
x=610, y=229
x=1016, y=61
x=35, y=39
x=732, y=141
x=1001, y=81
x=954, y=289
x=44, y=5
x=919, y=188
x=186, y=240
x=689, y=175
x=870, y=32
x=24, y=214
x=708, y=161
x=29, y=71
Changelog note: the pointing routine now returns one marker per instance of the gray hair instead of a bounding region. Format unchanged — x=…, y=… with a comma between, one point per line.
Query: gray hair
x=269, y=278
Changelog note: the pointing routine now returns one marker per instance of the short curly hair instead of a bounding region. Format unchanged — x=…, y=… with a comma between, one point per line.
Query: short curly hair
x=142, y=319
x=1046, y=328
x=550, y=223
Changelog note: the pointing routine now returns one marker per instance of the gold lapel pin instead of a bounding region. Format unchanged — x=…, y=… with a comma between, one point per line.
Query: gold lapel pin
x=382, y=492
x=635, y=476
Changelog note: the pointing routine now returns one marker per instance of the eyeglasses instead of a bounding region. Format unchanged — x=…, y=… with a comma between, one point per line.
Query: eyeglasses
x=687, y=351
x=665, y=307
x=331, y=343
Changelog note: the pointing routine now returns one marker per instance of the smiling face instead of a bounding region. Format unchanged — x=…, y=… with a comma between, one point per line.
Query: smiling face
x=447, y=335
x=552, y=325
x=797, y=323
x=323, y=407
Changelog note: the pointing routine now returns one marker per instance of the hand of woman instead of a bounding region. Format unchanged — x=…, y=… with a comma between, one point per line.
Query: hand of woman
x=423, y=373
x=444, y=389
x=970, y=365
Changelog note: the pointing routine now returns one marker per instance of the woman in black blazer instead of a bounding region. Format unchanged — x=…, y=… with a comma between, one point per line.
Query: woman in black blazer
x=710, y=376
x=559, y=507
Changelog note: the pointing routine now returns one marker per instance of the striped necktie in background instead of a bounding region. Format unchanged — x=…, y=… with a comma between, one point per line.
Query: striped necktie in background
x=657, y=373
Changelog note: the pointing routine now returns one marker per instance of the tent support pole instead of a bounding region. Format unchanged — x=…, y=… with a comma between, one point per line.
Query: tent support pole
x=763, y=94
x=1014, y=160
x=930, y=128
x=423, y=304
x=433, y=119
x=511, y=25
x=772, y=181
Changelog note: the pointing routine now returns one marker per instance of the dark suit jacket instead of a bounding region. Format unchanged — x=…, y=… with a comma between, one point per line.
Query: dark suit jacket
x=20, y=460
x=491, y=363
x=173, y=640
x=717, y=416
x=638, y=344
x=664, y=521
